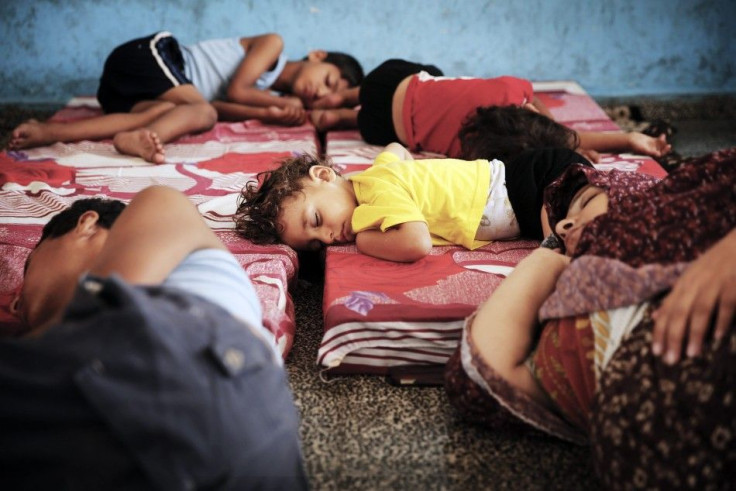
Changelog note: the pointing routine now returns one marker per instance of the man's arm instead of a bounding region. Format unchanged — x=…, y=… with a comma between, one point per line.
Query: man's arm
x=158, y=229
x=407, y=242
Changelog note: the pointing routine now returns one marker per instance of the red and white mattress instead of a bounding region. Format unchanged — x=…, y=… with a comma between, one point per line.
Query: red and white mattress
x=380, y=315
x=210, y=168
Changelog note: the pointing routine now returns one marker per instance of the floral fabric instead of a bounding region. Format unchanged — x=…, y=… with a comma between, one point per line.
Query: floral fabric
x=655, y=426
x=670, y=221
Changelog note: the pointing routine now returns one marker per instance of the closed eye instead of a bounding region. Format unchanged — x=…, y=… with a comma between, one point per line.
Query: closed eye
x=589, y=198
x=332, y=82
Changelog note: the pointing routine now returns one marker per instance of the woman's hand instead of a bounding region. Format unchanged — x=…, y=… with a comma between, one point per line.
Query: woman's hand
x=704, y=294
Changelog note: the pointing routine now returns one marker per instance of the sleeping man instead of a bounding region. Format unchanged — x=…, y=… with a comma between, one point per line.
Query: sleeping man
x=145, y=364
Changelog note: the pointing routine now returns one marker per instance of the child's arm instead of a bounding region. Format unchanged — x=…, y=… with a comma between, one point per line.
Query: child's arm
x=504, y=326
x=343, y=98
x=261, y=52
x=407, y=242
x=232, y=111
x=540, y=107
x=158, y=229
x=624, y=142
x=399, y=150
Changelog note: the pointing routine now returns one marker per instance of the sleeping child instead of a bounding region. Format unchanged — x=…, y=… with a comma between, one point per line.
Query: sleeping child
x=417, y=106
x=399, y=208
x=154, y=90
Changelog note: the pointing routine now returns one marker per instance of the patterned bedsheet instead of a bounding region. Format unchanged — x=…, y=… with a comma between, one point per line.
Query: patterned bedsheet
x=210, y=168
x=380, y=315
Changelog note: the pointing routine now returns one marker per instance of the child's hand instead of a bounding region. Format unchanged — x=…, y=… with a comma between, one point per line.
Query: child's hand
x=324, y=119
x=292, y=101
x=289, y=116
x=330, y=101
x=704, y=294
x=647, y=145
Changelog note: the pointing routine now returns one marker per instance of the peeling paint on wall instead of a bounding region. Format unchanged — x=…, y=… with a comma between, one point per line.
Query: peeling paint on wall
x=53, y=50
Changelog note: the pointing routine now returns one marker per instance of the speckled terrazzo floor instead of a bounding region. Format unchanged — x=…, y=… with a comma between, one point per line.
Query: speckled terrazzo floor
x=362, y=433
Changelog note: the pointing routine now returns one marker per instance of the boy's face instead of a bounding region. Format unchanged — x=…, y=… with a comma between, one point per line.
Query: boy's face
x=52, y=271
x=317, y=79
x=320, y=214
x=588, y=203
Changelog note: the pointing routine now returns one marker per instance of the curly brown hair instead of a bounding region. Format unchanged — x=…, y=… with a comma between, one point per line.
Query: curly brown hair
x=503, y=132
x=259, y=204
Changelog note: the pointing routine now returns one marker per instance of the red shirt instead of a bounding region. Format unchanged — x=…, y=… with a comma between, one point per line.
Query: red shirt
x=435, y=107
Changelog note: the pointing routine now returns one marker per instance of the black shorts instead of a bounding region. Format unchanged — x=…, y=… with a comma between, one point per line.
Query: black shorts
x=140, y=70
x=376, y=95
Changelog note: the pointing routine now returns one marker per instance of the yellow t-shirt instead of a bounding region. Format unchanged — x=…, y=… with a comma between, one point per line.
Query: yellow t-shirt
x=449, y=195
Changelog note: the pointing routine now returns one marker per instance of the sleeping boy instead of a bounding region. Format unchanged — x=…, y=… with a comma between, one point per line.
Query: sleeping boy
x=399, y=208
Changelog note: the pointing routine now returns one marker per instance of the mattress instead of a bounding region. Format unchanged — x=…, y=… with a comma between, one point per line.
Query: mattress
x=210, y=168
x=388, y=318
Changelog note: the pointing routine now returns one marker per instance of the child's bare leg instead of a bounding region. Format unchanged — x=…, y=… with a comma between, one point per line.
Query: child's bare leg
x=33, y=133
x=184, y=119
x=192, y=114
x=147, y=143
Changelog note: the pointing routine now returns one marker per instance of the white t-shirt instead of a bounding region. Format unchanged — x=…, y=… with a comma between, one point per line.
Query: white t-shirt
x=211, y=64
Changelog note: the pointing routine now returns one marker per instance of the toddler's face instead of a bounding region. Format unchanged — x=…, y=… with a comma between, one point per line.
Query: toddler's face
x=588, y=203
x=320, y=214
x=317, y=79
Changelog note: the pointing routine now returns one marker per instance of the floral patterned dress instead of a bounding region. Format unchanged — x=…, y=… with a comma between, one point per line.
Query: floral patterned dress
x=650, y=424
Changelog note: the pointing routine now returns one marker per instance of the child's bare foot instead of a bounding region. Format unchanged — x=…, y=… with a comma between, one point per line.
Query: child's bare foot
x=141, y=143
x=30, y=134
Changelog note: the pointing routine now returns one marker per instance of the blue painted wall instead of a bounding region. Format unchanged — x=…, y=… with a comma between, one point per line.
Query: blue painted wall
x=52, y=50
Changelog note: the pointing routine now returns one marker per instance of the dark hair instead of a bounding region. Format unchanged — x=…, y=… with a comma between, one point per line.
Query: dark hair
x=349, y=67
x=503, y=132
x=259, y=204
x=62, y=223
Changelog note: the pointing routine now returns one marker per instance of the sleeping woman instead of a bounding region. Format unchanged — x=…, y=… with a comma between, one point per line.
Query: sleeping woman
x=626, y=340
